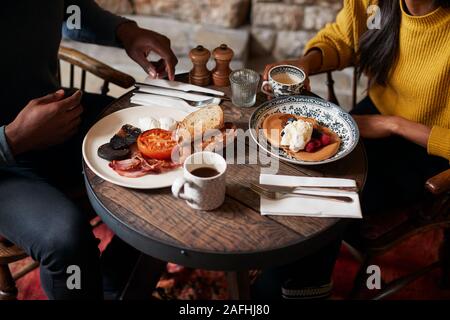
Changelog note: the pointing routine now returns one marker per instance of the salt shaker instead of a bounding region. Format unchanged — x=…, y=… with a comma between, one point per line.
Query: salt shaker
x=221, y=73
x=200, y=75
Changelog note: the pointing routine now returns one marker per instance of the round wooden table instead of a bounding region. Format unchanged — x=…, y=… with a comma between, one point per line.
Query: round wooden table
x=234, y=238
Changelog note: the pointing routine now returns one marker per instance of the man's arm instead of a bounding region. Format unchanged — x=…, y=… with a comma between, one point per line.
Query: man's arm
x=98, y=26
x=102, y=27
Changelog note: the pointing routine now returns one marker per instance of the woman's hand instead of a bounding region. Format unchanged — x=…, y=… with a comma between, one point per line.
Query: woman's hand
x=309, y=63
x=376, y=126
x=301, y=64
x=380, y=126
x=139, y=43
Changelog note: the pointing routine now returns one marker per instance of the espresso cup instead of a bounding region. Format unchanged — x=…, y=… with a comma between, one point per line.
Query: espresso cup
x=203, y=184
x=284, y=80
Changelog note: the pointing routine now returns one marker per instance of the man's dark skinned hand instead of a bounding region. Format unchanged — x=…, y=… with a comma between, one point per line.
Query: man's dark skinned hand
x=139, y=43
x=45, y=122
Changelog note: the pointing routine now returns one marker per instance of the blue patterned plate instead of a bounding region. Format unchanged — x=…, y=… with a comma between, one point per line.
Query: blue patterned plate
x=326, y=113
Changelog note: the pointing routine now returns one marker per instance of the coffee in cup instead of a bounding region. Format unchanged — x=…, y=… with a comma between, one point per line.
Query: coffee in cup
x=203, y=184
x=284, y=80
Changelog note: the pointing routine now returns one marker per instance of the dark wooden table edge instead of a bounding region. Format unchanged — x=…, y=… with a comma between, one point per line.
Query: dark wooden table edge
x=230, y=261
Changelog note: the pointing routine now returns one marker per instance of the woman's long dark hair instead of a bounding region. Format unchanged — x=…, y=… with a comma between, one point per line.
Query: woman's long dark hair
x=379, y=48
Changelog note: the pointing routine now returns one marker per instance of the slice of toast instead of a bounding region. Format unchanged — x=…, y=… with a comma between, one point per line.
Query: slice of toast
x=198, y=122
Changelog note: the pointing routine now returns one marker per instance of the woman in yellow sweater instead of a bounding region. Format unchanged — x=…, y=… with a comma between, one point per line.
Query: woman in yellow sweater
x=404, y=121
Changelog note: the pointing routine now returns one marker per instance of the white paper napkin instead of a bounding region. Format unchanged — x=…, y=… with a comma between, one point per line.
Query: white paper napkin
x=303, y=206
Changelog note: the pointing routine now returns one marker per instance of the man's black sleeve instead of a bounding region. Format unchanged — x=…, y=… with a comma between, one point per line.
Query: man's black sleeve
x=97, y=25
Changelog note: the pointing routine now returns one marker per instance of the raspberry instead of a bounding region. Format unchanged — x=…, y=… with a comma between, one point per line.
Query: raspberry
x=309, y=147
x=325, y=139
x=313, y=145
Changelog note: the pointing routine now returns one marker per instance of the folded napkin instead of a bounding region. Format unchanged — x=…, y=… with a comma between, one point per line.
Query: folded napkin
x=304, y=206
x=145, y=99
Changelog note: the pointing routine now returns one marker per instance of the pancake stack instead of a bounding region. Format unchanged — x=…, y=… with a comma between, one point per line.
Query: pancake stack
x=274, y=124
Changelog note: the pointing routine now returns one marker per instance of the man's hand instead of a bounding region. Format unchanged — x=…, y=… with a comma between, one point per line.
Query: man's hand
x=44, y=122
x=139, y=43
x=377, y=126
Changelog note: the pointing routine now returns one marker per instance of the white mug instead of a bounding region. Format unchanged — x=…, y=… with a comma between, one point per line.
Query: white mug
x=202, y=192
x=284, y=80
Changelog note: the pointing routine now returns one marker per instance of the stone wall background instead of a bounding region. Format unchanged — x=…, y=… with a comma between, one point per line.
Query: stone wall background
x=283, y=27
x=259, y=31
x=279, y=28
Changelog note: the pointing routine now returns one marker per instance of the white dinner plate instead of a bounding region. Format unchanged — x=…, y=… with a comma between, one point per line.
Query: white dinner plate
x=105, y=129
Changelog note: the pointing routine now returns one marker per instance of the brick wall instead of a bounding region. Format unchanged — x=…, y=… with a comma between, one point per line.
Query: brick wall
x=279, y=28
x=283, y=27
x=223, y=13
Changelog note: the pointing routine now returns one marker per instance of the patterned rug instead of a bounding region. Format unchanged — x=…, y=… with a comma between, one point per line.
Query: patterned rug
x=188, y=284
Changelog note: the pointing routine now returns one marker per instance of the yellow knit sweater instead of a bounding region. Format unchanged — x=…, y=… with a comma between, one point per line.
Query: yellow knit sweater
x=418, y=87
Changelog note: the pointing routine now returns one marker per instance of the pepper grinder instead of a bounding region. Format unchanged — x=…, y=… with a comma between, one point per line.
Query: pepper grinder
x=200, y=75
x=221, y=73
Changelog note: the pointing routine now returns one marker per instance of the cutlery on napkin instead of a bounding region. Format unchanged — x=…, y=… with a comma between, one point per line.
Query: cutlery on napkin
x=305, y=206
x=145, y=99
x=175, y=93
x=181, y=86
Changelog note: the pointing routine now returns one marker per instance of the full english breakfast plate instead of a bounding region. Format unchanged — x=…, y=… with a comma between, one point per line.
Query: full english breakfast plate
x=144, y=147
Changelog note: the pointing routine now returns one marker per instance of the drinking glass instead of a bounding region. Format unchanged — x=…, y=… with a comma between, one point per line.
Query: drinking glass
x=244, y=86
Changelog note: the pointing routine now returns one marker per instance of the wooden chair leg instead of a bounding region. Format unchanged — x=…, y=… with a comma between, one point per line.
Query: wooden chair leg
x=444, y=255
x=360, y=280
x=8, y=290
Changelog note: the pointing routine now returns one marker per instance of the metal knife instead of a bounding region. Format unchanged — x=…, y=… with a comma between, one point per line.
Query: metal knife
x=208, y=94
x=308, y=188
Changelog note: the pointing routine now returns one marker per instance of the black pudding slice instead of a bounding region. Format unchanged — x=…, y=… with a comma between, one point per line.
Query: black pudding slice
x=126, y=136
x=107, y=152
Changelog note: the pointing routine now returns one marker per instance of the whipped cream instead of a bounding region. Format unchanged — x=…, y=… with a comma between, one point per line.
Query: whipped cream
x=296, y=135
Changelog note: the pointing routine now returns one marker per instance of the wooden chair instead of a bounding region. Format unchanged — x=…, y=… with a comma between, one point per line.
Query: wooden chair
x=387, y=230
x=383, y=232
x=9, y=252
x=88, y=64
x=330, y=86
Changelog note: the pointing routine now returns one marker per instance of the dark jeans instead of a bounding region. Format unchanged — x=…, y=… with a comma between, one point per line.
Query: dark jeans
x=397, y=172
x=38, y=217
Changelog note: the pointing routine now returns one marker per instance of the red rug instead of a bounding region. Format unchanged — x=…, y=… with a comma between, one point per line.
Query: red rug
x=183, y=283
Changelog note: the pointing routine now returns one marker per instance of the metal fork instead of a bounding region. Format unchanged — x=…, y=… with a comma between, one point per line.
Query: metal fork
x=273, y=195
x=192, y=103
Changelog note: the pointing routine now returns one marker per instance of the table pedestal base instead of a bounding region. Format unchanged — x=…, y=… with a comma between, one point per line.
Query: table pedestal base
x=144, y=278
x=238, y=285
